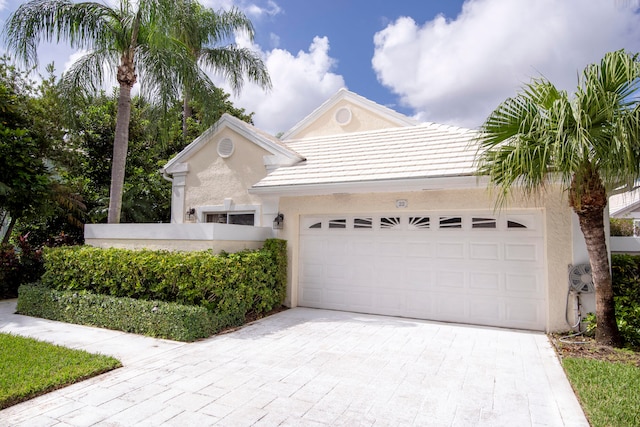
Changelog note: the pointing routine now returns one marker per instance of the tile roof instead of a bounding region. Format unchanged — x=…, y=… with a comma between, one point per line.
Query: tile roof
x=423, y=151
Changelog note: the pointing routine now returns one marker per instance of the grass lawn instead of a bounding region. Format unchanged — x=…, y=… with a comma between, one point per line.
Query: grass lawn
x=29, y=368
x=606, y=381
x=609, y=391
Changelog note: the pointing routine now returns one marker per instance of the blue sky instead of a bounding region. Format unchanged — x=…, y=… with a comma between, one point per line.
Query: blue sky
x=446, y=61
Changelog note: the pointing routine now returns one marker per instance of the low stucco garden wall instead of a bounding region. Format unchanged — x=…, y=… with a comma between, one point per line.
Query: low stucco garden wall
x=182, y=237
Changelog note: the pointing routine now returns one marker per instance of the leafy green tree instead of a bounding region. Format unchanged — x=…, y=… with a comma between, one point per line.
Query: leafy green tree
x=132, y=36
x=588, y=143
x=24, y=178
x=203, y=30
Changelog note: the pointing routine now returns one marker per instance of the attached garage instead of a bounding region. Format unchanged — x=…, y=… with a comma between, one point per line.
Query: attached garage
x=384, y=214
x=469, y=267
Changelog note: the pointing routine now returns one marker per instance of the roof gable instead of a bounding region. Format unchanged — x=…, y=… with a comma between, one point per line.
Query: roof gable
x=624, y=203
x=281, y=155
x=347, y=112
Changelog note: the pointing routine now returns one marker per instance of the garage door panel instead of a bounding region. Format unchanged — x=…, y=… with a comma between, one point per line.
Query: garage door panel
x=449, y=280
x=485, y=251
x=362, y=273
x=451, y=250
x=363, y=247
x=485, y=275
x=418, y=279
x=522, y=252
x=523, y=283
x=312, y=272
x=313, y=247
x=486, y=310
x=354, y=297
x=337, y=272
x=392, y=303
x=386, y=275
x=523, y=312
x=485, y=282
x=449, y=308
x=419, y=249
x=311, y=296
x=390, y=249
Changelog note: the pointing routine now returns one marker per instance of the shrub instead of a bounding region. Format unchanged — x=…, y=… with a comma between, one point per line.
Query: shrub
x=152, y=318
x=626, y=288
x=230, y=285
x=621, y=227
x=18, y=265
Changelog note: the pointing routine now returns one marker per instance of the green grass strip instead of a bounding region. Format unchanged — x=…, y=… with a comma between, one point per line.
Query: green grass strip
x=609, y=392
x=29, y=367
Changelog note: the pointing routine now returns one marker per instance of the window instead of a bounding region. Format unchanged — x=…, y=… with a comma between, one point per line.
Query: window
x=483, y=223
x=337, y=223
x=450, y=222
x=419, y=222
x=362, y=223
x=238, y=218
x=390, y=222
x=514, y=224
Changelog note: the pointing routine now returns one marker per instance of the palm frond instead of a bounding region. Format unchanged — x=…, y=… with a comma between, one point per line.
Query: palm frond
x=90, y=71
x=84, y=25
x=234, y=64
x=593, y=136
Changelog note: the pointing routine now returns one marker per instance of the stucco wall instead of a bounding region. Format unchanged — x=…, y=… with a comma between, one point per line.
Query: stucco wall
x=361, y=120
x=176, y=245
x=556, y=216
x=212, y=179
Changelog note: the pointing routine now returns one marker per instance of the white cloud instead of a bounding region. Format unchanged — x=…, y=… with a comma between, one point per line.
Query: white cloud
x=274, y=40
x=252, y=9
x=271, y=9
x=300, y=84
x=457, y=71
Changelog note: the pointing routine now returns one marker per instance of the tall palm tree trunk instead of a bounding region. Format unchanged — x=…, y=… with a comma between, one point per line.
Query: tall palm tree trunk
x=592, y=226
x=7, y=234
x=120, y=148
x=589, y=205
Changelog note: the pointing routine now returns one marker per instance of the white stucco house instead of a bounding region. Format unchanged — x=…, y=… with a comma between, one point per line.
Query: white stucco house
x=382, y=214
x=626, y=205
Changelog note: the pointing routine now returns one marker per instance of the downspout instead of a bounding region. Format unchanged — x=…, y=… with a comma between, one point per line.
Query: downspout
x=166, y=176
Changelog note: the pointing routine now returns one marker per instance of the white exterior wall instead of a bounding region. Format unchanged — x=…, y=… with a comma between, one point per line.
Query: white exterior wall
x=220, y=184
x=183, y=237
x=559, y=236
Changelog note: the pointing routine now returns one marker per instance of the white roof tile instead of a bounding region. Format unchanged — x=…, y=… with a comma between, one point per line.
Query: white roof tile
x=422, y=151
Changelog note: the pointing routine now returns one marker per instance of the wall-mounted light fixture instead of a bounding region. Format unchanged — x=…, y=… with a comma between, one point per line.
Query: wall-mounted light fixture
x=190, y=213
x=278, y=222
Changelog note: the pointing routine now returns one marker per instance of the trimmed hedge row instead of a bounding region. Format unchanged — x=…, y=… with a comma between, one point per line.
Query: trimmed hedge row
x=229, y=285
x=152, y=318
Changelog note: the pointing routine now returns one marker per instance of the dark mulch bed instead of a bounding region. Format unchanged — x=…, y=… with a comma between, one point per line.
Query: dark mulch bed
x=586, y=347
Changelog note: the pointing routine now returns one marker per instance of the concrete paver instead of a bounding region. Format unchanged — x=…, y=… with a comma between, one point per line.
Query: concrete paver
x=306, y=367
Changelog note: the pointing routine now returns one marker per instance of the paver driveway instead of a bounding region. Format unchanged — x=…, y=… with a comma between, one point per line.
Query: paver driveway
x=309, y=367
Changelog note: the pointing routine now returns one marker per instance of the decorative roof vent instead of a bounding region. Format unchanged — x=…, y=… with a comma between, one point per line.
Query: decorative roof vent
x=343, y=116
x=225, y=148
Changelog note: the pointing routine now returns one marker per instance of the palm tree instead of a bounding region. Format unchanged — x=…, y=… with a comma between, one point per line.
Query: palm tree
x=202, y=30
x=132, y=37
x=589, y=144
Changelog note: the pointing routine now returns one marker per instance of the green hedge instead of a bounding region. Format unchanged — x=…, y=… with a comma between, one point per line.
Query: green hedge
x=152, y=318
x=625, y=270
x=621, y=227
x=230, y=285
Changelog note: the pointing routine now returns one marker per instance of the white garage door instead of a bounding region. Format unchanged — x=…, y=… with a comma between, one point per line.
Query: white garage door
x=473, y=268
